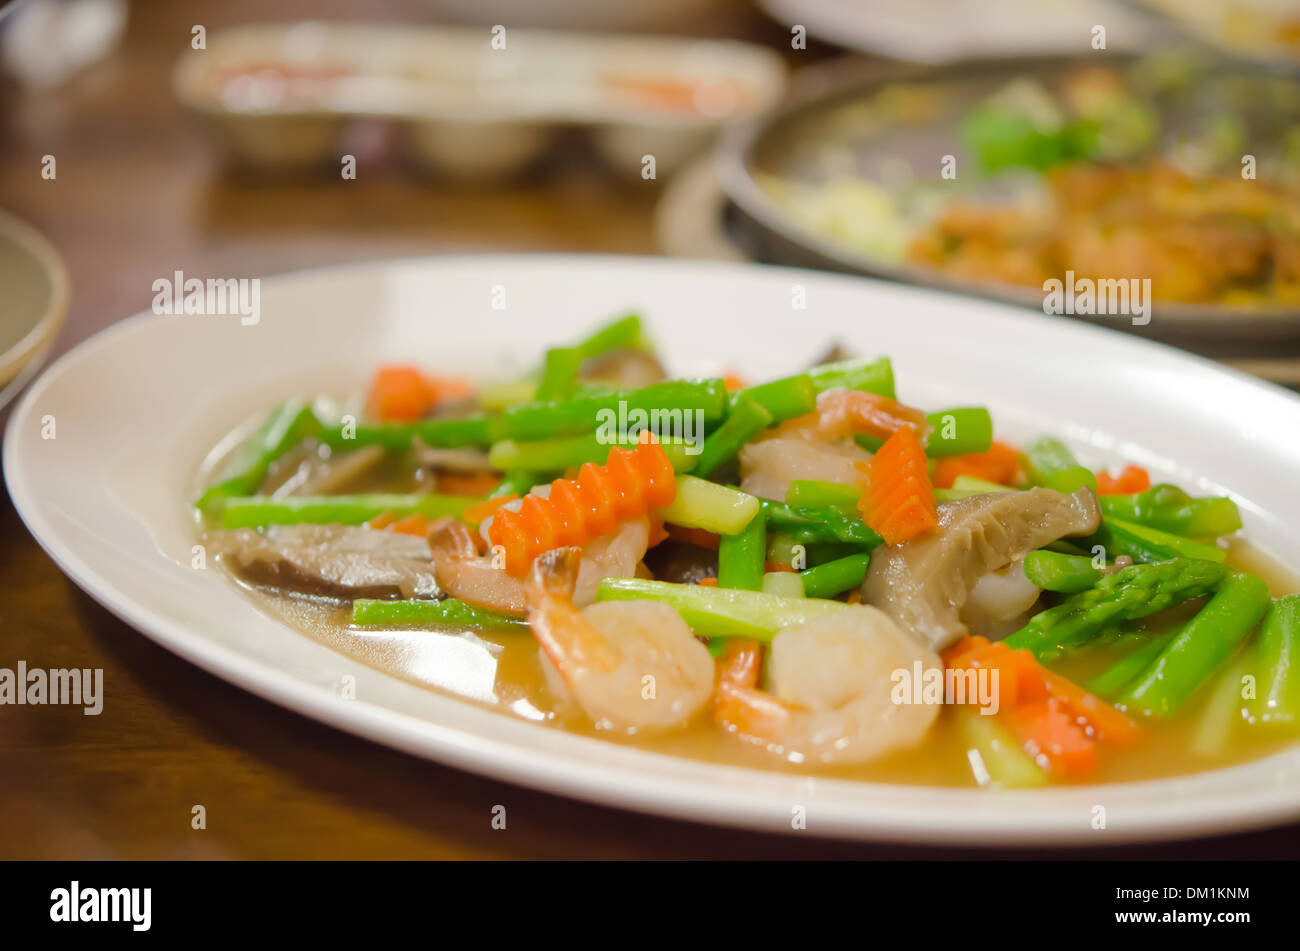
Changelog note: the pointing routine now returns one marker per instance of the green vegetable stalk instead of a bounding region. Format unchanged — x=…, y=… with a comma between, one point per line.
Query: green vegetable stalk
x=741, y=556
x=1111, y=682
x=875, y=375
x=746, y=421
x=834, y=577
x=289, y=424
x=1130, y=593
x=1168, y=508
x=955, y=432
x=1054, y=571
x=722, y=612
x=1048, y=463
x=257, y=511
x=1201, y=646
x=446, y=613
x=1277, y=661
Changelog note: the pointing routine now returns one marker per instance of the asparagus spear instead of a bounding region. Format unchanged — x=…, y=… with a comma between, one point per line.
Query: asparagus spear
x=1050, y=464
x=784, y=399
x=569, y=452
x=955, y=432
x=741, y=556
x=809, y=493
x=478, y=430
x=874, y=375
x=722, y=612
x=813, y=524
x=1057, y=572
x=256, y=511
x=746, y=421
x=450, y=612
x=1168, y=508
x=712, y=507
x=828, y=580
x=1278, y=661
x=1128, y=594
x=1111, y=682
x=1200, y=647
x=561, y=366
x=1141, y=543
x=290, y=423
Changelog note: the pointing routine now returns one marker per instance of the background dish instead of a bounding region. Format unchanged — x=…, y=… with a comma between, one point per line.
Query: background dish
x=837, y=123
x=35, y=286
x=126, y=537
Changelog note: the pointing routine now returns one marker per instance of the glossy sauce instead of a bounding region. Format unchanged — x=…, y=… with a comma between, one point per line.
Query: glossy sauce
x=503, y=671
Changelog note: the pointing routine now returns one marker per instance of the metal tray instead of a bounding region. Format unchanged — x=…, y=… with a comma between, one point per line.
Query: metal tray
x=817, y=116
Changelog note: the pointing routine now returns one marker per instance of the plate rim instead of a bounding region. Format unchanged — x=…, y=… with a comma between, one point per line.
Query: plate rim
x=34, y=344
x=616, y=787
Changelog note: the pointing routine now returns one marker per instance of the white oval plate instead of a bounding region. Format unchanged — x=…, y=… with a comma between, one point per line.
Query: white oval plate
x=135, y=408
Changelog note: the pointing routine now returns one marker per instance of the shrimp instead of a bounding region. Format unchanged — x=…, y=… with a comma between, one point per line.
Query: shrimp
x=841, y=414
x=819, y=446
x=769, y=465
x=832, y=699
x=477, y=579
x=630, y=666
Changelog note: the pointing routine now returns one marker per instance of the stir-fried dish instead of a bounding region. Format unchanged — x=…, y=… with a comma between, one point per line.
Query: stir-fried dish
x=1169, y=168
x=806, y=573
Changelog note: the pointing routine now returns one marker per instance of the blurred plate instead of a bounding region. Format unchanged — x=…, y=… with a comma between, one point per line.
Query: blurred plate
x=283, y=95
x=143, y=425
x=33, y=304
x=834, y=127
x=1264, y=30
x=939, y=31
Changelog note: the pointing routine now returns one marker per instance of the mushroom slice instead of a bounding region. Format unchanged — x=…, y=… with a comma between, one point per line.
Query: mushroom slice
x=923, y=583
x=344, y=561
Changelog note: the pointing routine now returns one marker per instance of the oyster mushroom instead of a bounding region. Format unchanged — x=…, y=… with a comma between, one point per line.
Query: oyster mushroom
x=924, y=583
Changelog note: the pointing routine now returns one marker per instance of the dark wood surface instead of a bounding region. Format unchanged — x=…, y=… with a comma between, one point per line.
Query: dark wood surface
x=139, y=193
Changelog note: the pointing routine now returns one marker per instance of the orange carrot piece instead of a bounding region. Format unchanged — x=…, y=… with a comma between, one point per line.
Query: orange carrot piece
x=694, y=536
x=1131, y=480
x=629, y=485
x=413, y=524
x=777, y=566
x=401, y=392
x=897, y=498
x=1022, y=680
x=999, y=464
x=481, y=511
x=733, y=382
x=708, y=582
x=382, y=520
x=1052, y=739
x=1104, y=722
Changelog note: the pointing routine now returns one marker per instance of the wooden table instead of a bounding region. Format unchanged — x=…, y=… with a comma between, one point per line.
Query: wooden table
x=139, y=194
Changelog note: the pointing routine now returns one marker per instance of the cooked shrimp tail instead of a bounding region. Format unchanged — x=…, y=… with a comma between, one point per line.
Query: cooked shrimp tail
x=573, y=645
x=738, y=705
